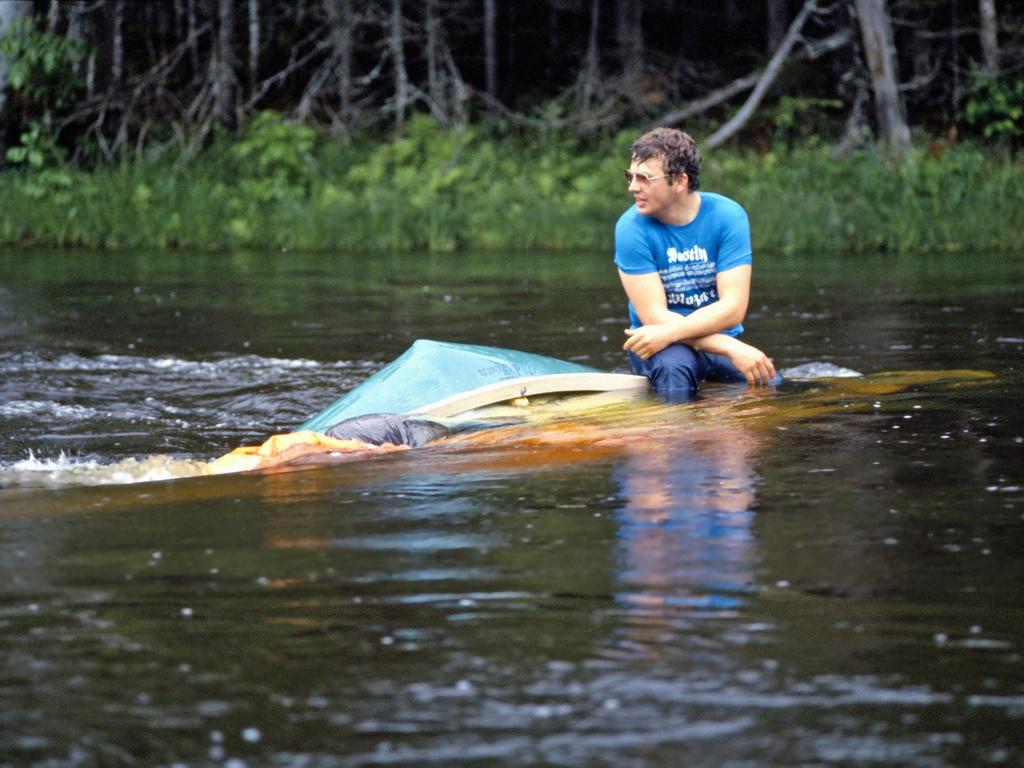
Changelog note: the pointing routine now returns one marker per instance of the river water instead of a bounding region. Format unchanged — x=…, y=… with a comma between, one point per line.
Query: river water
x=828, y=574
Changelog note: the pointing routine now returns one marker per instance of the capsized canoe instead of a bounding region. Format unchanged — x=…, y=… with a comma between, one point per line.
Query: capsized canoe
x=433, y=380
x=594, y=418
x=442, y=379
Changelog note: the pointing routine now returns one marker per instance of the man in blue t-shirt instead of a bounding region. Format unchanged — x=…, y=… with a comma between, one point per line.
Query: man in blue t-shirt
x=684, y=259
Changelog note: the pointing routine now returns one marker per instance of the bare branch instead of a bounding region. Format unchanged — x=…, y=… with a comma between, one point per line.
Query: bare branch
x=764, y=82
x=713, y=99
x=810, y=50
x=294, y=64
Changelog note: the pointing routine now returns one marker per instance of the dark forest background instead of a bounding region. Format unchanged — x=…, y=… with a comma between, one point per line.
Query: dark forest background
x=842, y=125
x=104, y=77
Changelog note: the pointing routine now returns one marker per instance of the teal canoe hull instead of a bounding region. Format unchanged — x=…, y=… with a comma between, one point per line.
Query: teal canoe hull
x=431, y=371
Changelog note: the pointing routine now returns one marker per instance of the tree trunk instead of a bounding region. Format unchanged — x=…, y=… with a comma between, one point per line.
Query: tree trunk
x=254, y=43
x=53, y=17
x=856, y=132
x=10, y=12
x=193, y=51
x=630, y=38
x=460, y=94
x=435, y=80
x=490, y=49
x=339, y=13
x=989, y=36
x=880, y=56
x=225, y=75
x=179, y=21
x=78, y=29
x=396, y=42
x=151, y=25
x=116, y=45
x=591, y=62
x=778, y=18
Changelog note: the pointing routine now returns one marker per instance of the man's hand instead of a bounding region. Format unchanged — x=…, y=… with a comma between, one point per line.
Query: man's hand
x=752, y=363
x=648, y=340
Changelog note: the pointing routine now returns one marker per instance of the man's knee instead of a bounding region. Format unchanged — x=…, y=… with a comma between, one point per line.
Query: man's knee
x=674, y=371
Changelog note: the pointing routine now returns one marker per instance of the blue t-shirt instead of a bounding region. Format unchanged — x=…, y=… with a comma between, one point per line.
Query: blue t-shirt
x=687, y=258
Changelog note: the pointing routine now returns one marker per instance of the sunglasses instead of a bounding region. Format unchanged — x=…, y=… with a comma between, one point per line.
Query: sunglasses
x=643, y=179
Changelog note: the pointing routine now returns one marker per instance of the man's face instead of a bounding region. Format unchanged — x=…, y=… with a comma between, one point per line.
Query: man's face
x=650, y=186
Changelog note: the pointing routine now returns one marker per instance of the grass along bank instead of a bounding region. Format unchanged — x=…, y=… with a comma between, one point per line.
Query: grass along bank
x=283, y=186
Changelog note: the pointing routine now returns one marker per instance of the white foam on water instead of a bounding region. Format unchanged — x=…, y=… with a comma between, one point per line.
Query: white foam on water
x=28, y=361
x=19, y=408
x=33, y=464
x=68, y=470
x=819, y=370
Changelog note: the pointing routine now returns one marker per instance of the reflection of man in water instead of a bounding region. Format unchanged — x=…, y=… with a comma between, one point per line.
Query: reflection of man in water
x=684, y=258
x=685, y=527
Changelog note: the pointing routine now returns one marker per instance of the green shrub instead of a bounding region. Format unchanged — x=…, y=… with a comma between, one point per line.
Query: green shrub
x=274, y=159
x=995, y=107
x=42, y=65
x=444, y=190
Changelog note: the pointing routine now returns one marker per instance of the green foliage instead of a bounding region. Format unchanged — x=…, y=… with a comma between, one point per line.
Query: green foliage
x=42, y=159
x=38, y=149
x=273, y=167
x=443, y=190
x=802, y=119
x=42, y=64
x=52, y=184
x=814, y=200
x=274, y=160
x=42, y=75
x=995, y=107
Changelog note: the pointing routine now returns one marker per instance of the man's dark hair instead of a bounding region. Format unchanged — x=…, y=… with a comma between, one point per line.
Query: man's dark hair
x=677, y=150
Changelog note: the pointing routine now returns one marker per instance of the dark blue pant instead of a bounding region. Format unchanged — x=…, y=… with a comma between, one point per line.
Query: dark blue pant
x=676, y=372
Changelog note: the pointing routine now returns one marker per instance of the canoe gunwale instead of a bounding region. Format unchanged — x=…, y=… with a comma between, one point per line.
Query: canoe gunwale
x=531, y=386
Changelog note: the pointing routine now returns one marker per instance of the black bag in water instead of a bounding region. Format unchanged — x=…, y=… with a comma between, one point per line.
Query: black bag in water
x=380, y=428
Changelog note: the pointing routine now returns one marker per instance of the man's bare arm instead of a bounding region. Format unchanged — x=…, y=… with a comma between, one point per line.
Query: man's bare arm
x=662, y=327
x=700, y=329
x=755, y=365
